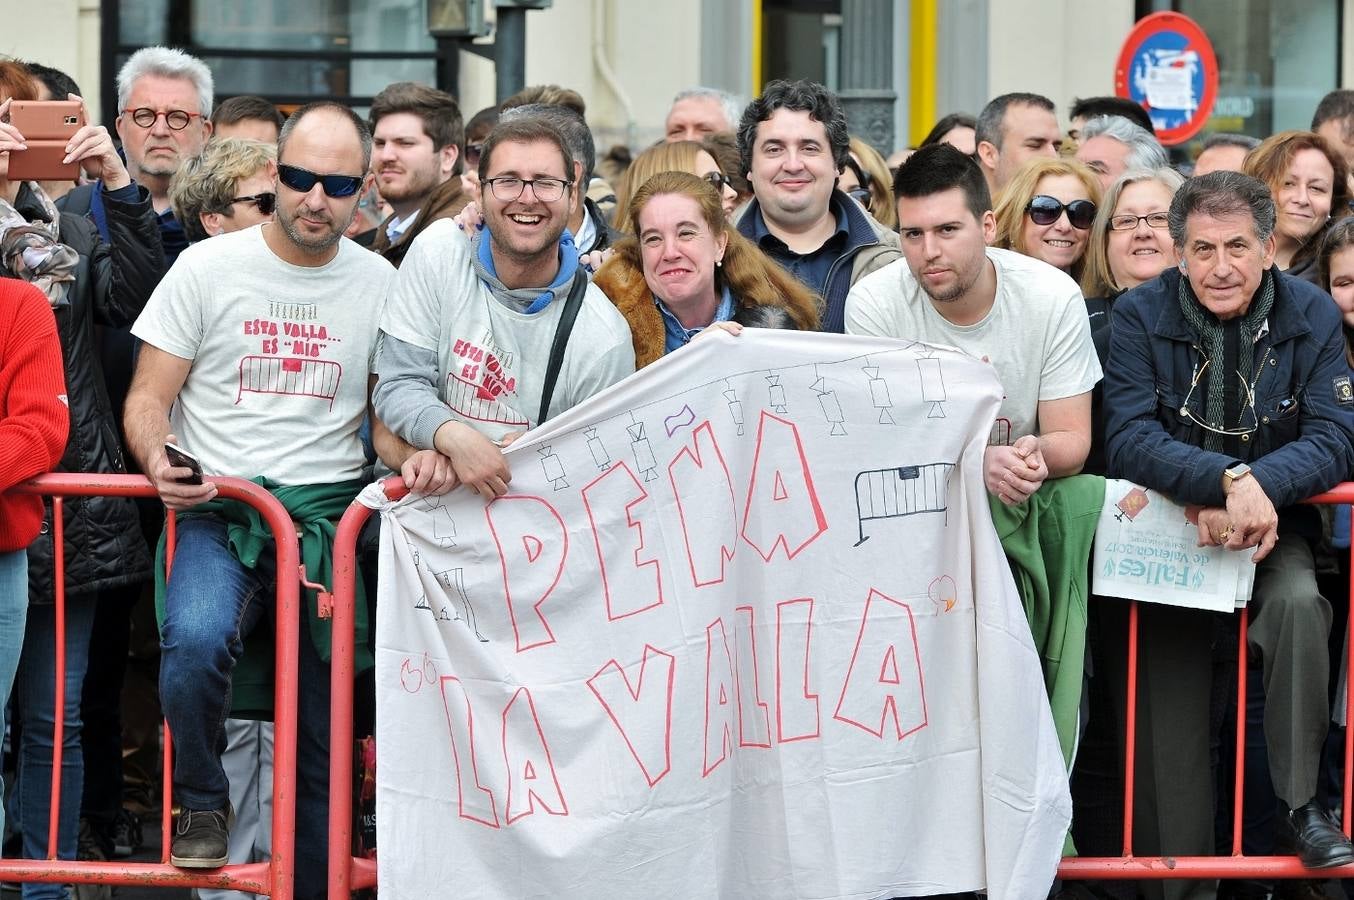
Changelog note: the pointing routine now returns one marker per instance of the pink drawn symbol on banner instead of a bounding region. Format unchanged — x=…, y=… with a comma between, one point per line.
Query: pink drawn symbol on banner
x=1132, y=503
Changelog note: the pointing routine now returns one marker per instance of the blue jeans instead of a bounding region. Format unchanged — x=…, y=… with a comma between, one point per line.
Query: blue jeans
x=212, y=603
x=13, y=611
x=34, y=708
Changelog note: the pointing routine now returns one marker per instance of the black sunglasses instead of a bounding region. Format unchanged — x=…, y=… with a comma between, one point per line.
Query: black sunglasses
x=718, y=179
x=1045, y=210
x=266, y=202
x=302, y=180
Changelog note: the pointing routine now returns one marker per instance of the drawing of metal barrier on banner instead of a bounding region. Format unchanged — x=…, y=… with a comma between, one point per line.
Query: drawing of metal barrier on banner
x=273, y=877
x=348, y=873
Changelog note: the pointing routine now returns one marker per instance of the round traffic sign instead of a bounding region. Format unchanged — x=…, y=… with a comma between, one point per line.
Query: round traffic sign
x=1167, y=65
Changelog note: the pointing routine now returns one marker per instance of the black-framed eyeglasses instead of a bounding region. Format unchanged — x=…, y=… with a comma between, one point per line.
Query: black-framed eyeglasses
x=303, y=180
x=718, y=179
x=266, y=202
x=1045, y=210
x=1128, y=222
x=861, y=195
x=472, y=154
x=176, y=119
x=1247, y=421
x=507, y=188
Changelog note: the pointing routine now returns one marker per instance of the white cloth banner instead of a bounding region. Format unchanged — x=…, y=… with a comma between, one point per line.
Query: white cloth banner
x=741, y=628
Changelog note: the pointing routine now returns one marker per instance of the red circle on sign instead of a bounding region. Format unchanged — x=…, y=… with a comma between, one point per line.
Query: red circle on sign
x=1196, y=40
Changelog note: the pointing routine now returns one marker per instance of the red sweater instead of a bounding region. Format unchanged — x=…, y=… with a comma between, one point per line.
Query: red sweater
x=34, y=419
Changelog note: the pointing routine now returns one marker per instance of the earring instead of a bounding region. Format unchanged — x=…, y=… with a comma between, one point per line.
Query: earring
x=719, y=262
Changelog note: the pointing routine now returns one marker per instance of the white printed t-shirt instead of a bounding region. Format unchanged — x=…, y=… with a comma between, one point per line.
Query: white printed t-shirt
x=491, y=358
x=280, y=356
x=1036, y=335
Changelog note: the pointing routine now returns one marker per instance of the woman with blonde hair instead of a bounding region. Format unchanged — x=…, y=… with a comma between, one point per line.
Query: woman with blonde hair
x=685, y=268
x=1046, y=212
x=1307, y=178
x=678, y=156
x=866, y=180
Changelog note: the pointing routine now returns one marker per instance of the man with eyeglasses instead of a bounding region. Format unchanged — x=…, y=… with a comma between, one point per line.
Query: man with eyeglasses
x=1227, y=389
x=257, y=349
x=1022, y=315
x=794, y=144
x=589, y=228
x=486, y=335
x=416, y=159
x=164, y=109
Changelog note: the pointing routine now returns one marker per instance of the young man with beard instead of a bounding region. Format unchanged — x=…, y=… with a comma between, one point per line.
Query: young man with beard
x=468, y=330
x=256, y=350
x=416, y=159
x=1024, y=316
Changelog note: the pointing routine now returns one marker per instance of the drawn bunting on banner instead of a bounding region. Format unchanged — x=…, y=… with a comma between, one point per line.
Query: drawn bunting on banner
x=729, y=634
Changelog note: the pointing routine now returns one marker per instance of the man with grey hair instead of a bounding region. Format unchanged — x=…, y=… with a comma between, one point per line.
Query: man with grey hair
x=1112, y=145
x=587, y=224
x=699, y=112
x=1223, y=152
x=164, y=118
x=1227, y=390
x=255, y=354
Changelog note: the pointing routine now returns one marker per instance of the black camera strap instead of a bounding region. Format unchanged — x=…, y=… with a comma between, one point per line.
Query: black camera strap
x=562, y=332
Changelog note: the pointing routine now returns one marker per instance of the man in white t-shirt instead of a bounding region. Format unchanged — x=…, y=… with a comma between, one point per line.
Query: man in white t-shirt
x=257, y=348
x=1023, y=316
x=468, y=331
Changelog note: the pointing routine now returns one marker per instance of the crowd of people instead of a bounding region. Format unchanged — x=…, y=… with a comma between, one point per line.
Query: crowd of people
x=305, y=300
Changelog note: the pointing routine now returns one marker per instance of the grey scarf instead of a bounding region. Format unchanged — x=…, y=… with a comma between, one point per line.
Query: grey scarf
x=32, y=251
x=1212, y=339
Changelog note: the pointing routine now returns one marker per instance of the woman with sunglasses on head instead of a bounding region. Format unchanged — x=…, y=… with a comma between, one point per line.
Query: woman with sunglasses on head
x=866, y=180
x=87, y=282
x=1307, y=178
x=678, y=156
x=688, y=269
x=228, y=188
x=1046, y=212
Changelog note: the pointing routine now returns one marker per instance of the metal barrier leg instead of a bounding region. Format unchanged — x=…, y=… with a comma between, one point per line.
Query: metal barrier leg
x=274, y=877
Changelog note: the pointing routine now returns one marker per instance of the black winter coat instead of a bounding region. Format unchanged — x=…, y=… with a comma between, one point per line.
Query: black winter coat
x=104, y=546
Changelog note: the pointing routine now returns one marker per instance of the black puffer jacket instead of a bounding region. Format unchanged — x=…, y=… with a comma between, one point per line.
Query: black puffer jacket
x=103, y=542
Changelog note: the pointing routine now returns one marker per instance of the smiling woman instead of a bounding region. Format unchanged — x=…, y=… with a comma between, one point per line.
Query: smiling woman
x=687, y=269
x=1307, y=178
x=1046, y=212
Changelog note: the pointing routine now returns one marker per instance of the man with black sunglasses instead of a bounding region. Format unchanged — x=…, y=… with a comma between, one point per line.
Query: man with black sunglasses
x=256, y=354
x=1227, y=388
x=1024, y=316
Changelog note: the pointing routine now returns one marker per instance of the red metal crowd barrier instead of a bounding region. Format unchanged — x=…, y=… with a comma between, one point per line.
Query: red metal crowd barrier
x=1237, y=865
x=273, y=877
x=348, y=873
